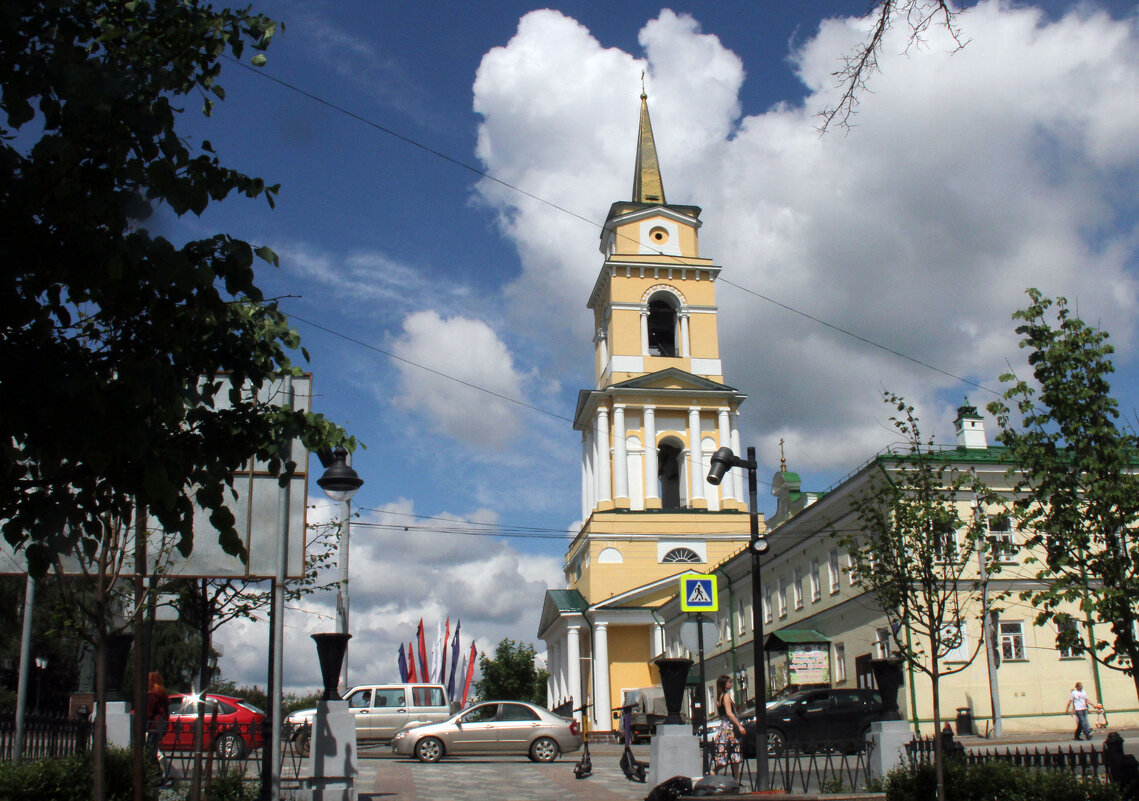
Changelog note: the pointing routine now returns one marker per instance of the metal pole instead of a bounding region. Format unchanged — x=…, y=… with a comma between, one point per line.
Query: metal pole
x=278, y=613
x=703, y=694
x=342, y=591
x=757, y=629
x=25, y=659
x=987, y=627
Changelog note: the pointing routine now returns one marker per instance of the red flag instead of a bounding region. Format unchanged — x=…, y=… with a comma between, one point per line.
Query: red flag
x=470, y=675
x=411, y=663
x=423, y=654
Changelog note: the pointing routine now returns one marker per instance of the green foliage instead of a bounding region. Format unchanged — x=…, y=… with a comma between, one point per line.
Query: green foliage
x=1079, y=496
x=233, y=785
x=511, y=675
x=67, y=778
x=996, y=781
x=913, y=547
x=106, y=325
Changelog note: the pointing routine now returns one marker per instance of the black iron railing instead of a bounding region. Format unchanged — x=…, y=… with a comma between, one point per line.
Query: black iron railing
x=45, y=736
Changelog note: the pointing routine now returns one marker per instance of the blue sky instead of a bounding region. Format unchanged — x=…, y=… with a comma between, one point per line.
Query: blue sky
x=967, y=177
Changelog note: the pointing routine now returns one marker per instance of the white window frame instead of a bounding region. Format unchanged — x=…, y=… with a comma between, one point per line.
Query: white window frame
x=882, y=643
x=839, y=662
x=1068, y=653
x=767, y=605
x=797, y=588
x=1011, y=634
x=816, y=581
x=781, y=597
x=835, y=571
x=1002, y=541
x=960, y=653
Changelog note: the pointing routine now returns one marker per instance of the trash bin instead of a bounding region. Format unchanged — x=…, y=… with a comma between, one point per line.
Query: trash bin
x=964, y=721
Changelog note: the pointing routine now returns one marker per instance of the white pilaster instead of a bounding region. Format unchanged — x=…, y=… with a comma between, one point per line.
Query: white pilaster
x=652, y=484
x=586, y=477
x=602, y=343
x=685, y=349
x=573, y=668
x=620, y=460
x=645, y=332
x=602, y=714
x=603, y=456
x=656, y=639
x=727, y=488
x=741, y=493
x=695, y=454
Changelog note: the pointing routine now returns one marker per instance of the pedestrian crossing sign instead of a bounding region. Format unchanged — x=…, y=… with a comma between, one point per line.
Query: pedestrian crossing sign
x=698, y=593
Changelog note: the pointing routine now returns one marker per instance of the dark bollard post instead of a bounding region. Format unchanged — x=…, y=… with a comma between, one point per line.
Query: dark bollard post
x=118, y=649
x=330, y=649
x=83, y=731
x=1123, y=769
x=673, y=675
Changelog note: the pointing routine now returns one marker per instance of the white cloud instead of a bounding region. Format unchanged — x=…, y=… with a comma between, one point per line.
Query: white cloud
x=969, y=176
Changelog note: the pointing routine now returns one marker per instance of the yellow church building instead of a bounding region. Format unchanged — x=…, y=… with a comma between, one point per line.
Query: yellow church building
x=657, y=413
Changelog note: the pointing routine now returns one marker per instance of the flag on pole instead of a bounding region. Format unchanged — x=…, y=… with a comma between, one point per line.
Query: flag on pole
x=455, y=656
x=402, y=661
x=423, y=654
x=443, y=661
x=470, y=674
x=411, y=676
x=437, y=652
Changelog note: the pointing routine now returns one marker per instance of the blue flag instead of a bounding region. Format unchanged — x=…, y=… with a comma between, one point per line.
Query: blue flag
x=454, y=661
x=402, y=664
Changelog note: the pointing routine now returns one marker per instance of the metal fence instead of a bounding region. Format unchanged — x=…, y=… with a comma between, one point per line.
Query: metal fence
x=1087, y=763
x=45, y=736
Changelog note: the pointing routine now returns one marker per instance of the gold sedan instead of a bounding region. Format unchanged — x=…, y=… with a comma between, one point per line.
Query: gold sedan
x=493, y=727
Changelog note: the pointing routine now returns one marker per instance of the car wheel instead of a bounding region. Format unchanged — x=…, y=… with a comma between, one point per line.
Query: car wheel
x=302, y=742
x=230, y=746
x=429, y=749
x=544, y=749
x=776, y=742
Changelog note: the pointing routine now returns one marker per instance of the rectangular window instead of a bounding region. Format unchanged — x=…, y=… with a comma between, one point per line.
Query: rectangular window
x=881, y=643
x=741, y=617
x=849, y=570
x=816, y=581
x=781, y=597
x=955, y=641
x=945, y=544
x=1002, y=541
x=839, y=662
x=767, y=618
x=1071, y=630
x=797, y=588
x=833, y=569
x=1012, y=640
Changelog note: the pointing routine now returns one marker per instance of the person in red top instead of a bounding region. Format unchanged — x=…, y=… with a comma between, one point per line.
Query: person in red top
x=157, y=713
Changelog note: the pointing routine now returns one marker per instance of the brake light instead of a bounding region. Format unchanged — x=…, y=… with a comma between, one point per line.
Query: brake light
x=575, y=729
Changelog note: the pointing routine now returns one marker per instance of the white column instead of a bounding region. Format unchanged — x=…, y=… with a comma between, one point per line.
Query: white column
x=573, y=667
x=602, y=715
x=602, y=343
x=620, y=459
x=695, y=455
x=586, y=478
x=741, y=493
x=656, y=639
x=652, y=480
x=685, y=349
x=727, y=488
x=603, y=457
x=645, y=332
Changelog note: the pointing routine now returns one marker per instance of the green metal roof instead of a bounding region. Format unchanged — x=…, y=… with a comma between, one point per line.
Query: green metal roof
x=797, y=635
x=568, y=600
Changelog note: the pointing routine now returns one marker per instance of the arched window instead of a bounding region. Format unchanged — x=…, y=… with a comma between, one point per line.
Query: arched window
x=662, y=327
x=668, y=461
x=684, y=555
x=609, y=556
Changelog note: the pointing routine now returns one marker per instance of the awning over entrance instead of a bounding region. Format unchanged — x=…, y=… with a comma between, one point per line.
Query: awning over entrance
x=791, y=636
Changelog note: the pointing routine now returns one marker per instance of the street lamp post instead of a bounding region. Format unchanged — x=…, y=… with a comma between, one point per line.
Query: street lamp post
x=340, y=483
x=722, y=461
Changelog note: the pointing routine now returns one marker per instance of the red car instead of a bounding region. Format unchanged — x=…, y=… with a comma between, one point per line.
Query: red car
x=230, y=726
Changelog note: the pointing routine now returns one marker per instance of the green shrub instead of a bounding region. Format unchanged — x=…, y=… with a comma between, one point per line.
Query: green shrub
x=67, y=778
x=234, y=786
x=996, y=781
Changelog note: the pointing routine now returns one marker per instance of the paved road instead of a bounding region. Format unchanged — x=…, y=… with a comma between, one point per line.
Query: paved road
x=385, y=777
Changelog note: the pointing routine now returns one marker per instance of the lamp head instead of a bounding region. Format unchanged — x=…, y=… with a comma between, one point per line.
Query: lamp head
x=723, y=460
x=340, y=481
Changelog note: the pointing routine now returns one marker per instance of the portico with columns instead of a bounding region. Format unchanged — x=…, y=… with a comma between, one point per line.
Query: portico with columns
x=658, y=410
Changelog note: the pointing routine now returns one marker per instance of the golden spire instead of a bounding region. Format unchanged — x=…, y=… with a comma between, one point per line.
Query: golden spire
x=647, y=184
x=782, y=458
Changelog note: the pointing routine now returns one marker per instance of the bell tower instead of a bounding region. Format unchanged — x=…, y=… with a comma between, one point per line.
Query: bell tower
x=658, y=410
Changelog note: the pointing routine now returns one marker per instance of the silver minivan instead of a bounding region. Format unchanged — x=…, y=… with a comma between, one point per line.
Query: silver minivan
x=380, y=710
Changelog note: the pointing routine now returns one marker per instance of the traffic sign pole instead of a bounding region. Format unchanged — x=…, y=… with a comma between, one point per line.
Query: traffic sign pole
x=703, y=693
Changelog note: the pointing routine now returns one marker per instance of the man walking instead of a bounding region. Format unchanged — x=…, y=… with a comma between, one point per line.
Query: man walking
x=1078, y=703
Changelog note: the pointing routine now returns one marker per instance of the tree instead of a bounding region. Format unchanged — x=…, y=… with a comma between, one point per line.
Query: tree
x=914, y=554
x=1079, y=493
x=861, y=64
x=106, y=330
x=512, y=675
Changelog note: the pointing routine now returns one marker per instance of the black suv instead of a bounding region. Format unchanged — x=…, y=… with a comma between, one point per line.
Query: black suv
x=814, y=720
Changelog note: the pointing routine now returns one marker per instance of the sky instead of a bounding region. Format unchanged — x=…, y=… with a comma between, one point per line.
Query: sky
x=445, y=170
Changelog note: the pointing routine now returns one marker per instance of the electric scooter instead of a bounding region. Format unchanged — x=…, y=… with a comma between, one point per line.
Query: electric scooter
x=634, y=769
x=584, y=766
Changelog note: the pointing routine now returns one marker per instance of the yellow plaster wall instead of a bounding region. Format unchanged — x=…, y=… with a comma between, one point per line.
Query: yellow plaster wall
x=629, y=655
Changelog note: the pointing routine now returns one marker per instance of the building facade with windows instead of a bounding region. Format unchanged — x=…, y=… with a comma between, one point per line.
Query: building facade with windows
x=821, y=628
x=657, y=412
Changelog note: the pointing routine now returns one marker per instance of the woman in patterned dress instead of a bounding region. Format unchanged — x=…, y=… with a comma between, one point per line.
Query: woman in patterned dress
x=726, y=751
